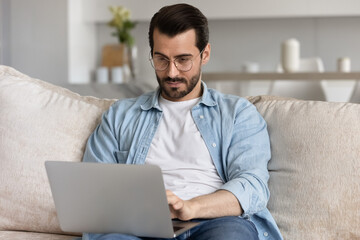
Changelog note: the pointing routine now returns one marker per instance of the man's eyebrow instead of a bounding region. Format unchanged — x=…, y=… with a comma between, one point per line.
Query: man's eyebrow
x=158, y=53
x=177, y=56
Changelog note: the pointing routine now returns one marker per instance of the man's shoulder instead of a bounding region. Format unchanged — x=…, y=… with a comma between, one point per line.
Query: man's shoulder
x=232, y=101
x=128, y=106
x=126, y=103
x=240, y=108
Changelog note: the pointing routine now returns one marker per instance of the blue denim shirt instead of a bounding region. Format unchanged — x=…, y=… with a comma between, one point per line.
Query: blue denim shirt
x=234, y=133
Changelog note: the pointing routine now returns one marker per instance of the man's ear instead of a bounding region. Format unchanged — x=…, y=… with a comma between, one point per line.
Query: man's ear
x=206, y=54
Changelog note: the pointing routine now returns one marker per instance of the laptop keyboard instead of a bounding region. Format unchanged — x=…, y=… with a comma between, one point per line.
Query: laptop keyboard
x=177, y=228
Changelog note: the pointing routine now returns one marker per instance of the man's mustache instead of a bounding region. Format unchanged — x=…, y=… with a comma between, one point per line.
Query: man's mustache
x=168, y=79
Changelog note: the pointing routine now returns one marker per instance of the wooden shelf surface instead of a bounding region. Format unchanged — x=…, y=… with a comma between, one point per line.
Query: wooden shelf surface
x=237, y=76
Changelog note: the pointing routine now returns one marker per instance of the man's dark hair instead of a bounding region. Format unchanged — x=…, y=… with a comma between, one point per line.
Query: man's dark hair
x=178, y=18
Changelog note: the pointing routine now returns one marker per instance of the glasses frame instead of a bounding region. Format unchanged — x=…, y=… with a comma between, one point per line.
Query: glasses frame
x=151, y=59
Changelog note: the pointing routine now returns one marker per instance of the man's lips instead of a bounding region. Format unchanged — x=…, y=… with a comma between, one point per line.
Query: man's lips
x=173, y=82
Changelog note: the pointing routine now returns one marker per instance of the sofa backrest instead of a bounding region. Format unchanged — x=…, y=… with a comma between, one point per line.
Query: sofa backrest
x=314, y=170
x=315, y=167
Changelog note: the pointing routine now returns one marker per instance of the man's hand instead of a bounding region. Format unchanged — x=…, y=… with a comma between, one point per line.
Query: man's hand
x=179, y=208
x=218, y=204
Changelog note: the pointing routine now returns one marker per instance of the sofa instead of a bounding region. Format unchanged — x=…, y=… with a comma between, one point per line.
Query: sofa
x=314, y=169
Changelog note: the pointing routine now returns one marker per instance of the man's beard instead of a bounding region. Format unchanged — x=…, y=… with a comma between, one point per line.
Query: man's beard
x=176, y=93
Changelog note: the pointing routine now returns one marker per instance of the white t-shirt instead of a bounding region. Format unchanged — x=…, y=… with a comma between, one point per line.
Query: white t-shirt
x=180, y=151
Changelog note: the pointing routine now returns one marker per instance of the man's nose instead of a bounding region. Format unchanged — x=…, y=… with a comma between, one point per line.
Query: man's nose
x=172, y=70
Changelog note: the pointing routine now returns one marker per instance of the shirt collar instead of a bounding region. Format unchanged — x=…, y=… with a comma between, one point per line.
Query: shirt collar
x=153, y=101
x=207, y=98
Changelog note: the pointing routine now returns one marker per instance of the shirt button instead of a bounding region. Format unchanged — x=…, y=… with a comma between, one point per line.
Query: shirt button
x=266, y=234
x=214, y=144
x=201, y=116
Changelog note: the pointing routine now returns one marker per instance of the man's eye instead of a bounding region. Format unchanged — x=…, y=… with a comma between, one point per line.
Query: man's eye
x=183, y=60
x=161, y=59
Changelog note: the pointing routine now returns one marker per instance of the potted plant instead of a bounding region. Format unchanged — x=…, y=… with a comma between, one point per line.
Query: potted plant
x=122, y=24
x=120, y=54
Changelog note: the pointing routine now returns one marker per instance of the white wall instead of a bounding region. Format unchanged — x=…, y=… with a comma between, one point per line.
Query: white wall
x=38, y=38
x=4, y=31
x=81, y=40
x=96, y=10
x=1, y=31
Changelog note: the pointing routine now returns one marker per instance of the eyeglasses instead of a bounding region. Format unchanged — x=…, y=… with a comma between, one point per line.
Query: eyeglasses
x=182, y=63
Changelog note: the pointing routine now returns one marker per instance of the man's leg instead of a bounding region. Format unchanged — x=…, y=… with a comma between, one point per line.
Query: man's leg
x=114, y=236
x=234, y=228
x=109, y=236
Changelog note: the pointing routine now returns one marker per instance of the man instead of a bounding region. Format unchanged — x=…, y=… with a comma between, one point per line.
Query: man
x=213, y=149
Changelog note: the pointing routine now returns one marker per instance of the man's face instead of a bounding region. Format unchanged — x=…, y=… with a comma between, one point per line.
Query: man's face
x=176, y=85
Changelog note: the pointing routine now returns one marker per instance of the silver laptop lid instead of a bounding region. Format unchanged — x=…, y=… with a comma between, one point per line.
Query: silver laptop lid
x=110, y=198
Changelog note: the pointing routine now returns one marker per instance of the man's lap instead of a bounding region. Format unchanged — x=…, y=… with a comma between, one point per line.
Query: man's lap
x=219, y=228
x=225, y=228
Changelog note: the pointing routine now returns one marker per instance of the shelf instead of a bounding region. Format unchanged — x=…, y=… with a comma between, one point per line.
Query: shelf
x=222, y=76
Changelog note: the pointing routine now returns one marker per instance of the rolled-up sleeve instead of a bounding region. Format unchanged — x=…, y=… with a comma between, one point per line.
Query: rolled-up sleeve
x=247, y=158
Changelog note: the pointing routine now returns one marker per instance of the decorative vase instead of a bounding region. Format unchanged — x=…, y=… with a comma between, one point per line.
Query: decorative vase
x=290, y=55
x=344, y=64
x=102, y=75
x=117, y=75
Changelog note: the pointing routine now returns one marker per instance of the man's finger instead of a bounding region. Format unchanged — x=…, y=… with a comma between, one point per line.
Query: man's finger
x=174, y=201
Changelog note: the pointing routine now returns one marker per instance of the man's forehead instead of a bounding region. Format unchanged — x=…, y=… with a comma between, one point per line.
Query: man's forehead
x=185, y=41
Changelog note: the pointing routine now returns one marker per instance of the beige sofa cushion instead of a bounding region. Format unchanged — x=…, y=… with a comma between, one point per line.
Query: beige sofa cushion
x=38, y=122
x=16, y=235
x=315, y=167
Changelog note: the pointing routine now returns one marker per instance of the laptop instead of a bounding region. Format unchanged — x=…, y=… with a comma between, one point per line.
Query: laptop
x=112, y=198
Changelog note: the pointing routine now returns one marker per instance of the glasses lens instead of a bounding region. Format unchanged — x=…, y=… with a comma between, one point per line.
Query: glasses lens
x=183, y=64
x=159, y=63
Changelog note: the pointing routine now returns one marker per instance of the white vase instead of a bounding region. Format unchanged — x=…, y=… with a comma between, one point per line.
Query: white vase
x=344, y=64
x=290, y=55
x=117, y=75
x=102, y=75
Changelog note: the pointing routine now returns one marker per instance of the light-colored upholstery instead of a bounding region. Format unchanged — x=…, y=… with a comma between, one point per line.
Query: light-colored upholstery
x=315, y=167
x=16, y=235
x=301, y=89
x=314, y=170
x=38, y=122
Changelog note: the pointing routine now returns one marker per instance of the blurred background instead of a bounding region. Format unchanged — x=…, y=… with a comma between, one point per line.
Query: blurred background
x=61, y=41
